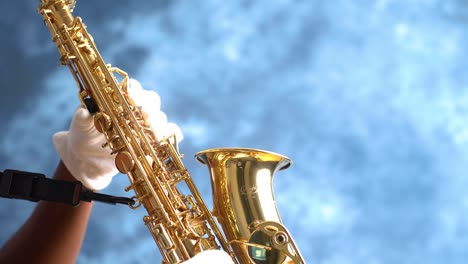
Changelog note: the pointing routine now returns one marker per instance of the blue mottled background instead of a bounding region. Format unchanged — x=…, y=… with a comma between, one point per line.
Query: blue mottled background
x=369, y=99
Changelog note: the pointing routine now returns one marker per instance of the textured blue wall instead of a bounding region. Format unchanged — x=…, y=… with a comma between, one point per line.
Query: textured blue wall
x=369, y=99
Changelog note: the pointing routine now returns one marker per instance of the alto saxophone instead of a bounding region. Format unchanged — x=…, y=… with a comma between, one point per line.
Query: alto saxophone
x=181, y=224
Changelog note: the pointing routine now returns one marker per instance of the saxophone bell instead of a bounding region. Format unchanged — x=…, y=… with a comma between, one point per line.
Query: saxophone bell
x=244, y=204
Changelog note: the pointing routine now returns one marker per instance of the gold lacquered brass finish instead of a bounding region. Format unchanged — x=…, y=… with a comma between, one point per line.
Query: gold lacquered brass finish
x=180, y=223
x=244, y=204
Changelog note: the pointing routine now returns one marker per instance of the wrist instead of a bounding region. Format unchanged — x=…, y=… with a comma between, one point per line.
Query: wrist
x=62, y=173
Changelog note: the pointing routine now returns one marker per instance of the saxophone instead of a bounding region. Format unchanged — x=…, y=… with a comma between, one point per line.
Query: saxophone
x=181, y=224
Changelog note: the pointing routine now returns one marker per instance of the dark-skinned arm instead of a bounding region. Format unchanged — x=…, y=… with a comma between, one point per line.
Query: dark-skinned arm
x=53, y=234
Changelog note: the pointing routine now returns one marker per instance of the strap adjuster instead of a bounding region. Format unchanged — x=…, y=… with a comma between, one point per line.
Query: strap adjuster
x=19, y=184
x=34, y=187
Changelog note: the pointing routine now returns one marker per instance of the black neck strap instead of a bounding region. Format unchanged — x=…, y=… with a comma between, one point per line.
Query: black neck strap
x=34, y=187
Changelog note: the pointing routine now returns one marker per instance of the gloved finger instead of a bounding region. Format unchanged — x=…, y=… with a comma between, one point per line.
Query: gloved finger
x=82, y=120
x=158, y=121
x=97, y=183
x=150, y=104
x=89, y=164
x=59, y=140
x=147, y=99
x=94, y=172
x=82, y=134
x=133, y=85
x=174, y=129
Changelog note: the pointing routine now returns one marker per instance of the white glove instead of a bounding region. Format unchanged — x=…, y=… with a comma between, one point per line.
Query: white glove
x=210, y=256
x=80, y=148
x=150, y=106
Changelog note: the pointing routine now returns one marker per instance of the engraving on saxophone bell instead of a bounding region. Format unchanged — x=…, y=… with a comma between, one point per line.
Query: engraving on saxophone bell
x=248, y=190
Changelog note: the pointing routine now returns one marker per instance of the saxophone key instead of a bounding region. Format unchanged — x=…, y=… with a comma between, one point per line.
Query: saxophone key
x=124, y=162
x=102, y=122
x=115, y=143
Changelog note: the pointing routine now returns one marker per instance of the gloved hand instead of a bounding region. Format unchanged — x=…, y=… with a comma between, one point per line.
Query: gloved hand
x=80, y=148
x=150, y=103
x=210, y=256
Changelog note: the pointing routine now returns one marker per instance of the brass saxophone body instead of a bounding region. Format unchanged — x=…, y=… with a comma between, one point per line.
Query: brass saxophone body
x=181, y=224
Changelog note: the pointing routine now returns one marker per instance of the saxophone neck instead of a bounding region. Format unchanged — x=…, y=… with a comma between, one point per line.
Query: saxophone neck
x=62, y=8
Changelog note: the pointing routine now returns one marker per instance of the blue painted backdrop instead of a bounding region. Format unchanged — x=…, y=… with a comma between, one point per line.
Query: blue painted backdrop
x=369, y=99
